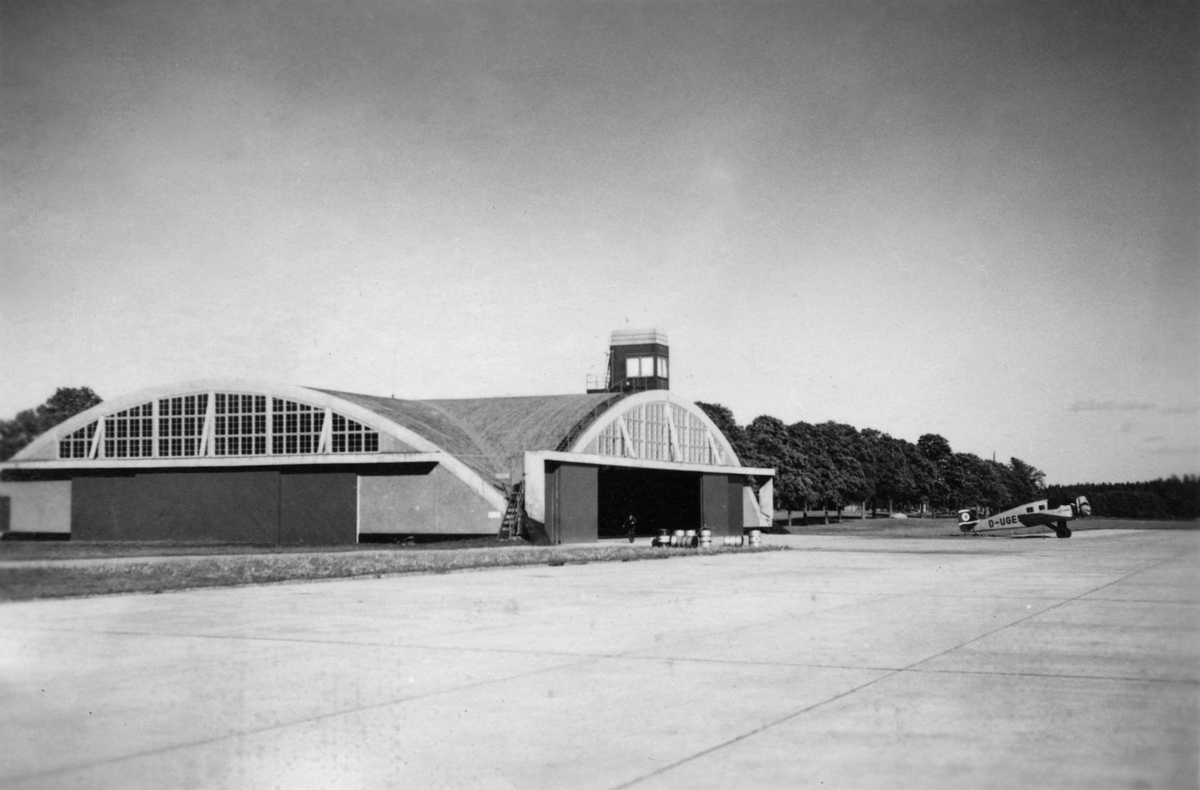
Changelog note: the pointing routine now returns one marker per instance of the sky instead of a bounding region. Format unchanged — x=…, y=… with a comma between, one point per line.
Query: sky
x=975, y=219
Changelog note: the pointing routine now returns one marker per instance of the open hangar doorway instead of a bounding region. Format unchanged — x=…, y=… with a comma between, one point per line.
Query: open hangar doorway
x=666, y=499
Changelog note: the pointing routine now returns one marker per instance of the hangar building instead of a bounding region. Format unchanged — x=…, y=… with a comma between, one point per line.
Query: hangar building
x=254, y=462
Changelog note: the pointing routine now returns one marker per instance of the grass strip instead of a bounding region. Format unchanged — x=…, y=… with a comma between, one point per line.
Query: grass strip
x=49, y=579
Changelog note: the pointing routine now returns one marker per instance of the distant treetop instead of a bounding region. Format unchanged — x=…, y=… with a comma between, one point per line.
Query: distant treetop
x=65, y=403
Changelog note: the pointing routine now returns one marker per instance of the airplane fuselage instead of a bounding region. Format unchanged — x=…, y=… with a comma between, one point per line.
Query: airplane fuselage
x=1033, y=514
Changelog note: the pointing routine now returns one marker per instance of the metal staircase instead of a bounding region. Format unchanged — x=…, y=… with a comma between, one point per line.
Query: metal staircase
x=513, y=523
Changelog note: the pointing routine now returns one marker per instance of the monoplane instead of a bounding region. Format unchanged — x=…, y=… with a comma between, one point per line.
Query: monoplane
x=1034, y=514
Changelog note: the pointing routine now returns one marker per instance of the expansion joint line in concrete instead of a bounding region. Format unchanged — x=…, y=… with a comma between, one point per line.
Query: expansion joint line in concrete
x=283, y=725
x=874, y=681
x=583, y=659
x=1058, y=675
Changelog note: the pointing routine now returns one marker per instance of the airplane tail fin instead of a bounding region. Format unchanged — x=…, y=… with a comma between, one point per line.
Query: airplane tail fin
x=967, y=519
x=1081, y=507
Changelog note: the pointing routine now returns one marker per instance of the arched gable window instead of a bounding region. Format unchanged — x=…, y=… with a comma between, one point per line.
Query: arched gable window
x=219, y=424
x=659, y=431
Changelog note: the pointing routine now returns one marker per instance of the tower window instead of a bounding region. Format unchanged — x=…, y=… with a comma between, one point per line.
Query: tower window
x=639, y=367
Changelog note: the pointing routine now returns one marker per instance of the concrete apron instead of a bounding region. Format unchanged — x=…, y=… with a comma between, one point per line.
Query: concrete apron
x=849, y=662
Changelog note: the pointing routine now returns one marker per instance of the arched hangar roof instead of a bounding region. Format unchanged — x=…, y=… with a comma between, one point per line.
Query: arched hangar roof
x=486, y=432
x=228, y=419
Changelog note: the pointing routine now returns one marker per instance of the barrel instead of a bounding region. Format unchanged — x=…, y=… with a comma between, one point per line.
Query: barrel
x=689, y=538
x=755, y=537
x=677, y=538
x=706, y=538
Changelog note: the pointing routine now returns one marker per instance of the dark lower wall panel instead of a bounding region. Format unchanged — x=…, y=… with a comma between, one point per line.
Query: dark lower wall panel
x=235, y=506
x=737, y=515
x=318, y=507
x=714, y=503
x=572, y=507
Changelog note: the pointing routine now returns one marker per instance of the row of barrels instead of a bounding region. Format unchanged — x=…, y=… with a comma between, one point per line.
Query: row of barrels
x=703, y=538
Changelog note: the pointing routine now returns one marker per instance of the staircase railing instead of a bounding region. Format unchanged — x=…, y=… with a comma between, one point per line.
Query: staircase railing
x=581, y=426
x=513, y=523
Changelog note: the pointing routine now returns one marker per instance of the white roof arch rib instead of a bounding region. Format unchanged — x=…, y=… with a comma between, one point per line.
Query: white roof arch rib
x=616, y=414
x=44, y=449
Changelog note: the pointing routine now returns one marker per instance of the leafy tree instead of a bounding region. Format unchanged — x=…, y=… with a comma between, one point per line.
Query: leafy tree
x=65, y=403
x=1028, y=482
x=818, y=471
x=770, y=443
x=934, y=447
x=946, y=473
x=851, y=483
x=722, y=417
x=833, y=472
x=923, y=472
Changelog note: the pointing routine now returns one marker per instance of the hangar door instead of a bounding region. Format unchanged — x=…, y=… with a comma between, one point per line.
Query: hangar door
x=227, y=506
x=585, y=503
x=571, y=503
x=657, y=498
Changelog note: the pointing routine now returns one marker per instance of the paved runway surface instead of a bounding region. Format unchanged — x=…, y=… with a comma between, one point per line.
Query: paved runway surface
x=845, y=663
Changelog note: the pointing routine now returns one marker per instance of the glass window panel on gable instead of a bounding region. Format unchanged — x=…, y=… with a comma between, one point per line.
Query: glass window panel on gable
x=353, y=437
x=657, y=436
x=79, y=443
x=130, y=433
x=240, y=424
x=180, y=423
x=635, y=427
x=610, y=441
x=703, y=451
x=692, y=435
x=295, y=427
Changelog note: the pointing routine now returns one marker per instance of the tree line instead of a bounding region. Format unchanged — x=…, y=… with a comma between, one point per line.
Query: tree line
x=1165, y=498
x=830, y=465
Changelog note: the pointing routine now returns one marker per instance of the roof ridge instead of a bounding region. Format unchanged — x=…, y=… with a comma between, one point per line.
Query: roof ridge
x=487, y=447
x=489, y=452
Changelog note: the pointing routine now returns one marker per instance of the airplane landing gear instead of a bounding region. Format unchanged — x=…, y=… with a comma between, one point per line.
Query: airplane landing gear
x=1062, y=530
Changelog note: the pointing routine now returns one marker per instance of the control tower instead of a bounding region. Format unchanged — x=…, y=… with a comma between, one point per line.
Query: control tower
x=637, y=360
